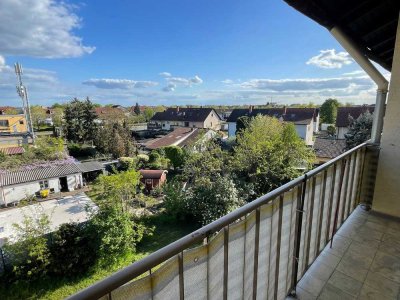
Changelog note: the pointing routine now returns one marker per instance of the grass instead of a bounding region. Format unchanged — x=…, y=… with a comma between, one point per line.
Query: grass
x=166, y=230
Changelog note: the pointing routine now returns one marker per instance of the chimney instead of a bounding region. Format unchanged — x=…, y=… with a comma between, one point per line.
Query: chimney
x=284, y=110
x=251, y=109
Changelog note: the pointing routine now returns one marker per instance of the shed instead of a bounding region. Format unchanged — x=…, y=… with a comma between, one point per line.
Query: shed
x=153, y=178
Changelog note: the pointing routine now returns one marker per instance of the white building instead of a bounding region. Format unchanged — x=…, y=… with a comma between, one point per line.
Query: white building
x=17, y=185
x=343, y=118
x=187, y=117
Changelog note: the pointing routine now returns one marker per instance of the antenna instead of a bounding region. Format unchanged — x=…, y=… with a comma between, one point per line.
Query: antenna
x=23, y=93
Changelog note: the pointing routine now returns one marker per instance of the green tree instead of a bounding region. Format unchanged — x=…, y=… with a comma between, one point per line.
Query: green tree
x=38, y=115
x=148, y=113
x=269, y=153
x=328, y=111
x=11, y=111
x=118, y=190
x=359, y=130
x=116, y=233
x=176, y=156
x=137, y=109
x=57, y=116
x=209, y=200
x=30, y=256
x=242, y=123
x=175, y=201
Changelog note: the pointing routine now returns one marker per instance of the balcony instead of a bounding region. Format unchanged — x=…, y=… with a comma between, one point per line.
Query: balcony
x=310, y=231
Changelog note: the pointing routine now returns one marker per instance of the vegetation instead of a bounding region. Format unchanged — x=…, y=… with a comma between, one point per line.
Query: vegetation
x=38, y=114
x=328, y=111
x=359, y=130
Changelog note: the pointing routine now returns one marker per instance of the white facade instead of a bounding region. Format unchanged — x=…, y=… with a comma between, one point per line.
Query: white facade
x=316, y=123
x=231, y=129
x=340, y=132
x=18, y=192
x=211, y=122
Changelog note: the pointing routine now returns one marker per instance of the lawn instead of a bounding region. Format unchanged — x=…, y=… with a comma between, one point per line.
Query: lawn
x=165, y=231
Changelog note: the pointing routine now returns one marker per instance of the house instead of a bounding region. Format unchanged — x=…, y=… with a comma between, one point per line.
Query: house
x=343, y=114
x=187, y=117
x=153, y=178
x=327, y=149
x=177, y=137
x=306, y=120
x=58, y=176
x=13, y=124
x=107, y=113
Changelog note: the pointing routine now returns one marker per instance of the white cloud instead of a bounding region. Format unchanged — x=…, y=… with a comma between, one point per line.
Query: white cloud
x=227, y=81
x=40, y=28
x=174, y=82
x=329, y=59
x=165, y=74
x=107, y=83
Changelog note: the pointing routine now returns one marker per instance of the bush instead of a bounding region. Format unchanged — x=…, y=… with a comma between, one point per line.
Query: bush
x=175, y=201
x=72, y=250
x=78, y=150
x=116, y=233
x=127, y=163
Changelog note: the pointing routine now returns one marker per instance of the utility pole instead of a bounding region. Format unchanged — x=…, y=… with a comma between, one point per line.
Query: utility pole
x=23, y=93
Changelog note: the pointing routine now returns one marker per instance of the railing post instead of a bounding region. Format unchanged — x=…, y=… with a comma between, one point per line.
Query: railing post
x=297, y=238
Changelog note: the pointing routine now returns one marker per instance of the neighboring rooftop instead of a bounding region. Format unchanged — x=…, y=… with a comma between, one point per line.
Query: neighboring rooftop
x=329, y=148
x=152, y=174
x=184, y=114
x=176, y=137
x=343, y=113
x=12, y=150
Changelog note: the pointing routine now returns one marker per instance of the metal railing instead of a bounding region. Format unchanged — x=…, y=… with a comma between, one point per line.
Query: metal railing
x=260, y=250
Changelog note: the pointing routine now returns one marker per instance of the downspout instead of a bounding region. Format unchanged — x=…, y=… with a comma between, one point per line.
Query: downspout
x=375, y=75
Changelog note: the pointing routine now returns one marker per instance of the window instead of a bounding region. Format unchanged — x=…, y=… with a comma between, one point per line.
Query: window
x=21, y=122
x=44, y=184
x=3, y=122
x=1, y=229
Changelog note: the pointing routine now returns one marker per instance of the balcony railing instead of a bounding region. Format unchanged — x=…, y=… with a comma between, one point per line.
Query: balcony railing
x=261, y=250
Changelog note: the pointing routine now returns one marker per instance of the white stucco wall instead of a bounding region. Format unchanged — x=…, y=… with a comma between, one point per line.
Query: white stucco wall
x=316, y=124
x=20, y=191
x=340, y=132
x=74, y=181
x=305, y=132
x=231, y=129
x=212, y=121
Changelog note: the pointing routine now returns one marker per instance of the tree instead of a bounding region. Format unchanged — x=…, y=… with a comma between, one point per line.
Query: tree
x=11, y=111
x=137, y=109
x=269, y=153
x=176, y=155
x=30, y=255
x=328, y=111
x=89, y=116
x=118, y=190
x=242, y=123
x=57, y=116
x=148, y=113
x=115, y=232
x=209, y=200
x=38, y=114
x=359, y=130
x=175, y=200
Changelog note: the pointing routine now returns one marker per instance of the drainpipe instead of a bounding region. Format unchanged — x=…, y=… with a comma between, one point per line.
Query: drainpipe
x=375, y=75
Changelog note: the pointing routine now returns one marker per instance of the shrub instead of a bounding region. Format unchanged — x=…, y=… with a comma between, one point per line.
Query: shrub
x=175, y=201
x=72, y=250
x=78, y=150
x=127, y=163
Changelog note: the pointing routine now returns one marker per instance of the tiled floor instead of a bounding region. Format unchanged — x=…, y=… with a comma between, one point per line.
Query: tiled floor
x=364, y=262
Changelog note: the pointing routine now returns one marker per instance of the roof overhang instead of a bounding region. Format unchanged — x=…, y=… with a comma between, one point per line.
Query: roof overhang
x=371, y=24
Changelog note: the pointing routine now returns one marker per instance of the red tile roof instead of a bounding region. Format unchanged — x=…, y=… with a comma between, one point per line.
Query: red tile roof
x=175, y=137
x=12, y=150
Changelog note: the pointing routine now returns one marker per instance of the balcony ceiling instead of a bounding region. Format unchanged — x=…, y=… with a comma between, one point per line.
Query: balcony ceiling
x=371, y=24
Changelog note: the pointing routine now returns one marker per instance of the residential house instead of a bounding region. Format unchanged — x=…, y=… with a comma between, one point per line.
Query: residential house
x=187, y=117
x=306, y=120
x=343, y=117
x=177, y=137
x=153, y=178
x=107, y=113
x=13, y=124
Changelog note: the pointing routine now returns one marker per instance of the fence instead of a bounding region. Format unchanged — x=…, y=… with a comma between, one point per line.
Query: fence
x=259, y=251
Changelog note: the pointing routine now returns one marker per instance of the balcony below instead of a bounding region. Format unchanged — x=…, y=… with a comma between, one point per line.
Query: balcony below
x=363, y=263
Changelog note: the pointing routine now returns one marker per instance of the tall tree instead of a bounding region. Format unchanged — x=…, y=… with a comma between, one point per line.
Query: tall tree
x=38, y=115
x=359, y=130
x=328, y=111
x=137, y=109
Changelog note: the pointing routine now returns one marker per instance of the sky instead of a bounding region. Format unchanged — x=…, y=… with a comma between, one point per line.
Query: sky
x=173, y=52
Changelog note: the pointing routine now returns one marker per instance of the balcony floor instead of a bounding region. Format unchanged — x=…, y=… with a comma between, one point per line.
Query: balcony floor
x=364, y=262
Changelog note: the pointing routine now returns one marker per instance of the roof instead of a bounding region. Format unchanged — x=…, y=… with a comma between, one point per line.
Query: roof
x=329, y=148
x=106, y=110
x=175, y=137
x=343, y=113
x=300, y=116
x=152, y=174
x=38, y=173
x=371, y=24
x=90, y=166
x=12, y=150
x=184, y=114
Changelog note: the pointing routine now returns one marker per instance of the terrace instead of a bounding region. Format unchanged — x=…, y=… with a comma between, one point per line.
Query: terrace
x=332, y=233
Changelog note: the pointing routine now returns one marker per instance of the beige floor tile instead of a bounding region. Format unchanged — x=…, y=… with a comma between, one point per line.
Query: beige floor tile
x=354, y=271
x=328, y=259
x=320, y=270
x=331, y=292
x=385, y=286
x=369, y=293
x=311, y=284
x=387, y=265
x=345, y=283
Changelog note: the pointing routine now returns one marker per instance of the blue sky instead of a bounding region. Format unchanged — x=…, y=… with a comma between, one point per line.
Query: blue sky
x=173, y=52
